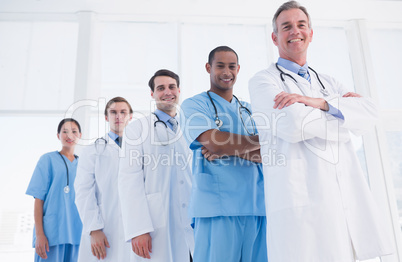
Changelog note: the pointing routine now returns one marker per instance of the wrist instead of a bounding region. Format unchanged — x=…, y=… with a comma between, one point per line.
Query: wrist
x=40, y=234
x=94, y=231
x=324, y=105
x=39, y=231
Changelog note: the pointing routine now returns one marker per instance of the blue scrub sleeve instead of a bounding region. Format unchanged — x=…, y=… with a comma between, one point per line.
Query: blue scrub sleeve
x=198, y=119
x=335, y=112
x=39, y=185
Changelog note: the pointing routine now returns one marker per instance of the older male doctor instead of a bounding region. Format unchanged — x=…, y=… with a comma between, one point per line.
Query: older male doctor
x=155, y=179
x=319, y=206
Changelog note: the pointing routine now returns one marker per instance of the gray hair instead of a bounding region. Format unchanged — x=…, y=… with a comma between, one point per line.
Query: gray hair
x=287, y=6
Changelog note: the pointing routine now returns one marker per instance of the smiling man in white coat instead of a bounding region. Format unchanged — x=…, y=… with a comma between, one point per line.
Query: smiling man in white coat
x=96, y=194
x=318, y=203
x=155, y=179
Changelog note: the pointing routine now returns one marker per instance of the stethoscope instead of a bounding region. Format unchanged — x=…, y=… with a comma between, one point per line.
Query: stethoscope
x=219, y=122
x=67, y=187
x=104, y=142
x=159, y=121
x=156, y=122
x=282, y=74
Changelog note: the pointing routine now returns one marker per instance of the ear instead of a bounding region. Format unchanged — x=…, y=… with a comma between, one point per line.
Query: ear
x=238, y=68
x=58, y=136
x=106, y=118
x=311, y=35
x=274, y=38
x=208, y=68
x=152, y=94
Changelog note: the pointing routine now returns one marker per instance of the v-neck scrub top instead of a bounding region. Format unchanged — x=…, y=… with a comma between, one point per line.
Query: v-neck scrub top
x=229, y=186
x=61, y=222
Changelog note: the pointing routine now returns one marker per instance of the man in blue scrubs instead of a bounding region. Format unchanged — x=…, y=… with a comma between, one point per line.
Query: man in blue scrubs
x=227, y=200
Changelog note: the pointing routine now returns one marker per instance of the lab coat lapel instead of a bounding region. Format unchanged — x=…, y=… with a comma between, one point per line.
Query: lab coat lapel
x=302, y=86
x=305, y=86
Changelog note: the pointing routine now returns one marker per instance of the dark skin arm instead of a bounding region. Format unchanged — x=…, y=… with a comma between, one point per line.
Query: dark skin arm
x=254, y=156
x=217, y=144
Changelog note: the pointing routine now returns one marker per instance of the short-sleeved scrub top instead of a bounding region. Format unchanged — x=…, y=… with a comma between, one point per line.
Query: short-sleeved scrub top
x=61, y=221
x=229, y=186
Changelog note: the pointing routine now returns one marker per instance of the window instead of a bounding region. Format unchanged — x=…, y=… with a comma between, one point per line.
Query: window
x=386, y=56
x=37, y=64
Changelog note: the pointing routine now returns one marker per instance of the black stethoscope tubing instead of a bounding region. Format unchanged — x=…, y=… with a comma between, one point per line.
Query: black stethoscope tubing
x=159, y=121
x=219, y=122
x=67, y=187
x=323, y=90
x=156, y=122
x=97, y=143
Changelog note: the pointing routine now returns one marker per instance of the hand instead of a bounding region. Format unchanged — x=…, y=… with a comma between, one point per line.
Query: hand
x=351, y=94
x=208, y=155
x=41, y=246
x=99, y=243
x=142, y=245
x=284, y=99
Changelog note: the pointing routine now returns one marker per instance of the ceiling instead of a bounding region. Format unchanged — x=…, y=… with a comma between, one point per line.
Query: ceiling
x=379, y=10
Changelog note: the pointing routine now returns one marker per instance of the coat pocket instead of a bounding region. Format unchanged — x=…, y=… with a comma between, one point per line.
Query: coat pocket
x=286, y=186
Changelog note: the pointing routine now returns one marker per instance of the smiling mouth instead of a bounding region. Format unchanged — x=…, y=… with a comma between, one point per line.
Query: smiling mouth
x=295, y=40
x=168, y=99
x=227, y=79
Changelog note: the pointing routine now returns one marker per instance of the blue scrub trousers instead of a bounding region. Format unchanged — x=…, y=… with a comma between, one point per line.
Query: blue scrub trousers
x=60, y=253
x=230, y=239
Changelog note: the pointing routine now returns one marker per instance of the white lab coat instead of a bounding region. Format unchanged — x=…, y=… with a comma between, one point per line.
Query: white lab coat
x=154, y=189
x=98, y=202
x=319, y=206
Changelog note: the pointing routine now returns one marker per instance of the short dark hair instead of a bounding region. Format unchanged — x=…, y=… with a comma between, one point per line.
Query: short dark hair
x=222, y=48
x=287, y=6
x=116, y=100
x=65, y=120
x=163, y=72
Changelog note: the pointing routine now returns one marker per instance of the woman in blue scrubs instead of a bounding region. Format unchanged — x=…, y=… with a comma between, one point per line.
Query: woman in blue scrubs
x=58, y=227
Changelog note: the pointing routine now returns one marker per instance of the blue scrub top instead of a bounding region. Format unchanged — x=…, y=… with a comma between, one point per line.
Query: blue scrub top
x=61, y=221
x=230, y=186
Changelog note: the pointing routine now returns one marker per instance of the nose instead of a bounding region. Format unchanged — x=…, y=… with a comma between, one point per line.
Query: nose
x=226, y=70
x=294, y=30
x=168, y=91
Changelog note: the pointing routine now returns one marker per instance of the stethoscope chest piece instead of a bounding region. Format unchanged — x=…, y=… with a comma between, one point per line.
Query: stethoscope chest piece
x=218, y=122
x=67, y=187
x=324, y=92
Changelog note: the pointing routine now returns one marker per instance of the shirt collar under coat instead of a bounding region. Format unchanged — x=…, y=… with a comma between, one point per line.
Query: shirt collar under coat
x=113, y=137
x=165, y=117
x=291, y=66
